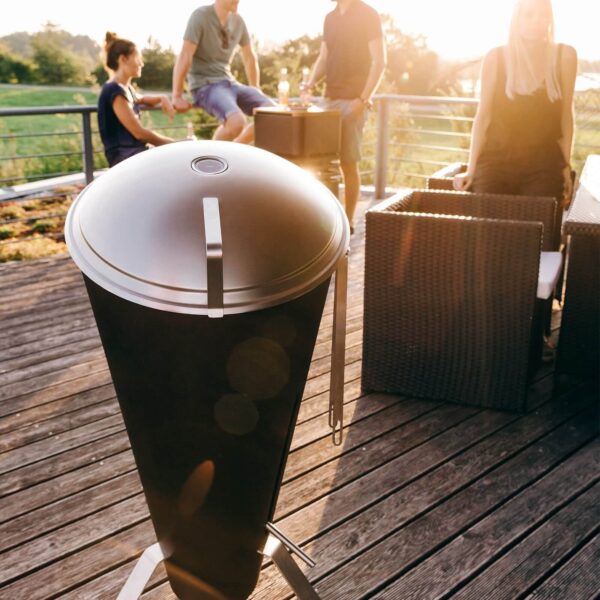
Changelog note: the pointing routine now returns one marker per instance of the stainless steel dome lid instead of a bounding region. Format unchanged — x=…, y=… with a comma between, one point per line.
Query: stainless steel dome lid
x=149, y=229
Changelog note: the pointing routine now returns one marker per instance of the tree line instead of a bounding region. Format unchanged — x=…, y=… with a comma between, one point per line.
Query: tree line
x=53, y=56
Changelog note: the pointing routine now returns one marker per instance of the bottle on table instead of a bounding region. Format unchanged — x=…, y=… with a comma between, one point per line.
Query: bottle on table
x=283, y=88
x=190, y=132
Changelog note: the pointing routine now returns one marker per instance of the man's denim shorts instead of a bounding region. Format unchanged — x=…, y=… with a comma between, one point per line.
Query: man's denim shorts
x=352, y=129
x=226, y=97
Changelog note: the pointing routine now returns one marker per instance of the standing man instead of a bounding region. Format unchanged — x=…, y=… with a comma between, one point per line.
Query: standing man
x=212, y=35
x=352, y=60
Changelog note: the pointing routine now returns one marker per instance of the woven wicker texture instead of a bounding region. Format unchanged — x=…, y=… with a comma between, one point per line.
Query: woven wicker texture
x=579, y=342
x=450, y=300
x=442, y=179
x=584, y=215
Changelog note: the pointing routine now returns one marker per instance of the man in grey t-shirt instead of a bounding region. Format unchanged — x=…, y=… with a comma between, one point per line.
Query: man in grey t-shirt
x=212, y=35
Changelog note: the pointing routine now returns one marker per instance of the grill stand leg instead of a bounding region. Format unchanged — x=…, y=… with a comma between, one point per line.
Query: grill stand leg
x=276, y=550
x=138, y=578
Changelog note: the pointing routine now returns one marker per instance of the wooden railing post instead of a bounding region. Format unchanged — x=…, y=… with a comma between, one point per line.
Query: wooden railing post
x=381, y=155
x=88, y=148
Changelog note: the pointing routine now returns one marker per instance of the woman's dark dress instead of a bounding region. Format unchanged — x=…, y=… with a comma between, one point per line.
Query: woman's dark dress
x=521, y=153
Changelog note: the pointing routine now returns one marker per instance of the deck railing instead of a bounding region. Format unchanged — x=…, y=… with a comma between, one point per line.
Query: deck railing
x=79, y=143
x=406, y=139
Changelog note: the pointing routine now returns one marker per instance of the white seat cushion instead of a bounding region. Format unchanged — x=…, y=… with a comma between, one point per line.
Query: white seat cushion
x=550, y=265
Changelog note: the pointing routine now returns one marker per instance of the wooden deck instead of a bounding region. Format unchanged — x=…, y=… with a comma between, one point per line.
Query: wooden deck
x=424, y=500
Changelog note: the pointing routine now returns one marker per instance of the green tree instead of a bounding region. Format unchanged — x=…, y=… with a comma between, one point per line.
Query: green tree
x=55, y=62
x=83, y=47
x=55, y=65
x=413, y=68
x=158, y=66
x=99, y=74
x=14, y=69
x=18, y=43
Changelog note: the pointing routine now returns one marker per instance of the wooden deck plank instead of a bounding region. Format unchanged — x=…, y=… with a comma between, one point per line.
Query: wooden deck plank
x=579, y=579
x=83, y=566
x=60, y=424
x=529, y=562
x=45, y=415
x=32, y=319
x=50, y=367
x=18, y=339
x=472, y=550
x=68, y=539
x=57, y=444
x=40, y=383
x=375, y=431
x=66, y=484
x=440, y=523
x=46, y=355
x=89, y=379
x=355, y=537
x=91, y=452
x=423, y=499
x=44, y=347
x=54, y=516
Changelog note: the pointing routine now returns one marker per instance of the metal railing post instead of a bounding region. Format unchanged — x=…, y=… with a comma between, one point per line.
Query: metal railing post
x=88, y=149
x=381, y=155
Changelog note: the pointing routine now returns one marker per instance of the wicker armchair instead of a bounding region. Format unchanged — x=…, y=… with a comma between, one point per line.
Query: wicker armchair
x=450, y=306
x=442, y=179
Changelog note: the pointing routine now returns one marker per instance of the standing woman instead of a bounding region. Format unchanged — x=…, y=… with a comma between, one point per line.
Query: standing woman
x=122, y=133
x=523, y=130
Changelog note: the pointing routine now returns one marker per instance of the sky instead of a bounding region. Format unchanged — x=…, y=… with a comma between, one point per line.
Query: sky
x=455, y=29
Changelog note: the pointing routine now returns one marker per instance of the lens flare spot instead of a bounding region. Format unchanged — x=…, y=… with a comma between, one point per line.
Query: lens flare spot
x=196, y=488
x=258, y=368
x=236, y=414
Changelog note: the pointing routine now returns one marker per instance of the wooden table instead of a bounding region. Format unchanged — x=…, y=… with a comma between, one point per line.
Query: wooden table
x=579, y=342
x=307, y=136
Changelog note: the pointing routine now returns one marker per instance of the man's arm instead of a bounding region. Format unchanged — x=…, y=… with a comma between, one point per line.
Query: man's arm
x=378, y=61
x=318, y=70
x=377, y=52
x=155, y=100
x=250, y=61
x=180, y=70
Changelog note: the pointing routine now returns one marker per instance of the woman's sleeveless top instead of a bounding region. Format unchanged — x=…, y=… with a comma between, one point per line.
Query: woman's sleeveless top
x=526, y=130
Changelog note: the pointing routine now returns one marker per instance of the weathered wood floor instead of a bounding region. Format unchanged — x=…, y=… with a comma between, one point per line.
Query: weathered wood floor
x=423, y=500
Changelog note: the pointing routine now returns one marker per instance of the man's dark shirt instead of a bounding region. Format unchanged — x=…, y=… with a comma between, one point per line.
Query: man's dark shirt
x=347, y=38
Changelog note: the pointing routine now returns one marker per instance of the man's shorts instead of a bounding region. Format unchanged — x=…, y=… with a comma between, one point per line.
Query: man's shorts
x=223, y=98
x=352, y=129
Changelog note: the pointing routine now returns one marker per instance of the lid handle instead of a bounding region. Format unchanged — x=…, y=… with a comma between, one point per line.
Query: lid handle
x=338, y=352
x=214, y=257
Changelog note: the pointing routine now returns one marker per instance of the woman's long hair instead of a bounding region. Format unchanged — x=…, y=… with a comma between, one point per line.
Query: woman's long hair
x=114, y=47
x=521, y=76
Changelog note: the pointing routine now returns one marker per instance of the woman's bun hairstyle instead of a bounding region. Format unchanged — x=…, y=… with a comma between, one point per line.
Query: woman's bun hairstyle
x=114, y=47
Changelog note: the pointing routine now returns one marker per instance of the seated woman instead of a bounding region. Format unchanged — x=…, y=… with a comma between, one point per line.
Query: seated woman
x=523, y=130
x=122, y=133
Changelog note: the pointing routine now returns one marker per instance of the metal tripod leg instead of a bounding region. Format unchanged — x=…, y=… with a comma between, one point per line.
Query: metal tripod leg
x=276, y=548
x=138, y=578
